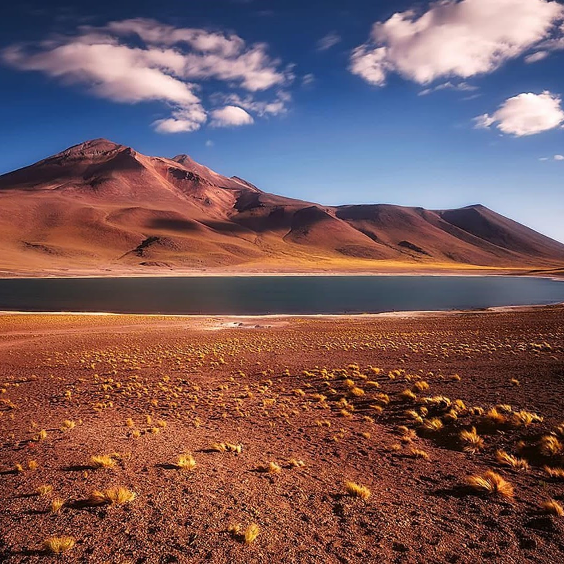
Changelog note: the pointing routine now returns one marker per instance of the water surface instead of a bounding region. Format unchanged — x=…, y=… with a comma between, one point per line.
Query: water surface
x=248, y=295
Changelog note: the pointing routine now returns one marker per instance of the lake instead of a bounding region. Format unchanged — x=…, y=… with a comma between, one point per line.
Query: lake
x=248, y=295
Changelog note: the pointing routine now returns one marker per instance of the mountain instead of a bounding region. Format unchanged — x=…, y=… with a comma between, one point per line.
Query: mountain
x=103, y=207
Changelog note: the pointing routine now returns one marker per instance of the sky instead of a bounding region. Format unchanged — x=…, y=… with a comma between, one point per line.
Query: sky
x=432, y=104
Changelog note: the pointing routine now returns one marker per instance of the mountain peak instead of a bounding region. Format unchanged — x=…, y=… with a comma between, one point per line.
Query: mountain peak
x=183, y=159
x=91, y=148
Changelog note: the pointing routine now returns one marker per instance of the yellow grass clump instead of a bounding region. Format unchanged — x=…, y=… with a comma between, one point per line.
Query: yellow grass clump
x=68, y=424
x=433, y=425
x=356, y=490
x=44, y=489
x=556, y=473
x=227, y=447
x=418, y=453
x=248, y=535
x=552, y=507
x=102, y=461
x=491, y=483
x=512, y=461
x=111, y=496
x=251, y=533
x=550, y=446
x=185, y=462
x=471, y=441
x=271, y=468
x=58, y=545
x=57, y=504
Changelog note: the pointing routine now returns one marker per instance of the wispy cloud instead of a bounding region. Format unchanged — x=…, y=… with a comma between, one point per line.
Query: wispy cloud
x=230, y=116
x=525, y=114
x=453, y=38
x=140, y=60
x=460, y=86
x=328, y=41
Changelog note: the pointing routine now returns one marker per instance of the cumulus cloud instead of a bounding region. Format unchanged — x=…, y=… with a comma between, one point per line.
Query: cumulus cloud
x=454, y=38
x=230, y=116
x=525, y=114
x=328, y=41
x=138, y=60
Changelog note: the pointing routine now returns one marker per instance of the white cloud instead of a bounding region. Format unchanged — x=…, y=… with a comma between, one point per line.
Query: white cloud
x=454, y=39
x=555, y=157
x=535, y=57
x=262, y=108
x=308, y=80
x=209, y=143
x=525, y=114
x=183, y=120
x=460, y=86
x=141, y=60
x=330, y=40
x=230, y=116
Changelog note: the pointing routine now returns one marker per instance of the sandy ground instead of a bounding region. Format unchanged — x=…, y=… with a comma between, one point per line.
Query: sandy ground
x=322, y=397
x=366, y=270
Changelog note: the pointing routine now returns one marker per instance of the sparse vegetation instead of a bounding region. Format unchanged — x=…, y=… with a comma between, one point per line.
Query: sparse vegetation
x=185, y=462
x=58, y=545
x=552, y=507
x=111, y=496
x=491, y=483
x=357, y=490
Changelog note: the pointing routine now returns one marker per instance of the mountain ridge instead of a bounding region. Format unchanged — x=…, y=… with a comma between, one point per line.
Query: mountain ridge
x=103, y=205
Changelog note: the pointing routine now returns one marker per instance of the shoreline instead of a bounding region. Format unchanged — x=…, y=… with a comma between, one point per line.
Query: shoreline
x=286, y=316
x=306, y=274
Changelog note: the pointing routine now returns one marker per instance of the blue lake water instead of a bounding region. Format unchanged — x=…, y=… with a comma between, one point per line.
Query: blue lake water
x=249, y=295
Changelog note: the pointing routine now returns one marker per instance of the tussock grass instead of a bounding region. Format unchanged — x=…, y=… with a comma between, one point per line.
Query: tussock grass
x=270, y=468
x=102, y=461
x=556, y=473
x=471, y=441
x=357, y=490
x=251, y=533
x=491, y=483
x=433, y=425
x=57, y=504
x=58, y=545
x=552, y=507
x=112, y=496
x=549, y=445
x=418, y=453
x=44, y=489
x=507, y=459
x=227, y=447
x=185, y=462
x=296, y=463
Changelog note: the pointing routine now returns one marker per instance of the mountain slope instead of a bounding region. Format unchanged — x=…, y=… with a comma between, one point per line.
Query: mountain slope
x=100, y=206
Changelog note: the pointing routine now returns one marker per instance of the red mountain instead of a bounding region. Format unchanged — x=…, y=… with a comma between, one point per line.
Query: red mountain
x=103, y=207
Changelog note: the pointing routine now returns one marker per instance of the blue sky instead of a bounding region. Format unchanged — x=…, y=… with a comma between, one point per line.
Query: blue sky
x=436, y=105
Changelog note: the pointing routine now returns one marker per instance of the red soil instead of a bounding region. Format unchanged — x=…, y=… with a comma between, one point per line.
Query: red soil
x=212, y=381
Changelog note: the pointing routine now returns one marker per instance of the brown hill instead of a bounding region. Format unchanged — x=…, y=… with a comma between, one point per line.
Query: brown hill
x=103, y=207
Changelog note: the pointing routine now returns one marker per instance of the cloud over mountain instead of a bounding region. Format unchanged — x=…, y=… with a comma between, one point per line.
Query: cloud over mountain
x=139, y=60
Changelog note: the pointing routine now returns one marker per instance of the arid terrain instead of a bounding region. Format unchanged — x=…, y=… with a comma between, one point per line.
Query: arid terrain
x=100, y=208
x=388, y=438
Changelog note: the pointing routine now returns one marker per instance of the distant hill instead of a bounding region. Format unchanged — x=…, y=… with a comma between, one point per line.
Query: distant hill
x=103, y=207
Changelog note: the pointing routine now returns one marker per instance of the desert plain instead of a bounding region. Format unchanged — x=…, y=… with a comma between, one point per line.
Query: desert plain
x=430, y=437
